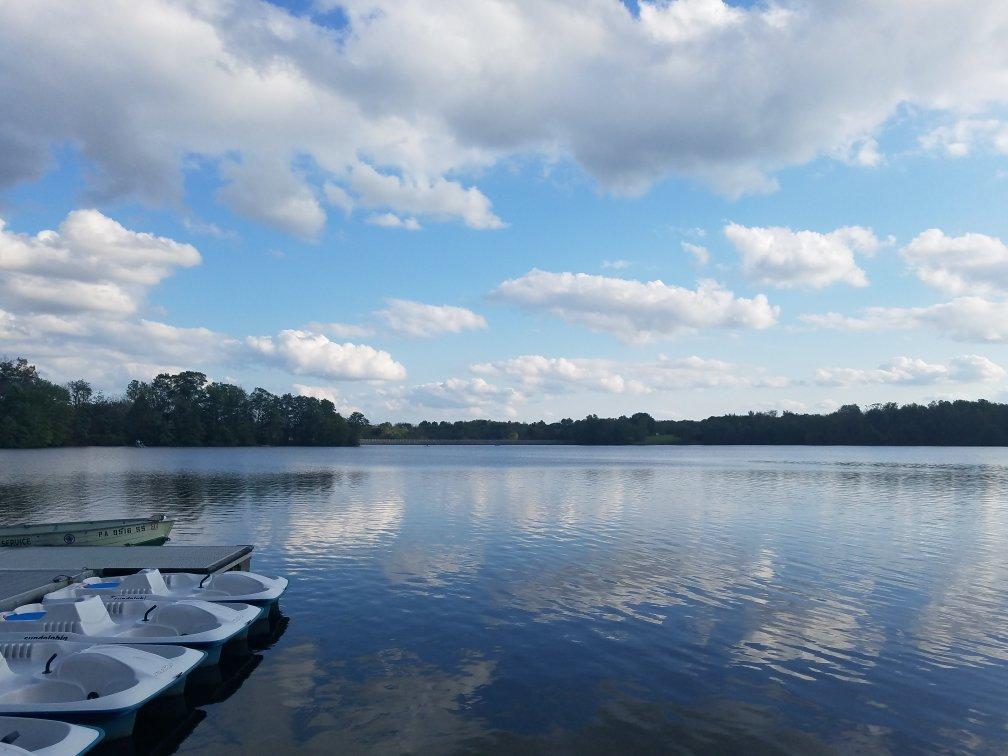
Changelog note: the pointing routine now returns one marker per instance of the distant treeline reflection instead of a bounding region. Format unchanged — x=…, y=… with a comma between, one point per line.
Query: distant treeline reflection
x=185, y=409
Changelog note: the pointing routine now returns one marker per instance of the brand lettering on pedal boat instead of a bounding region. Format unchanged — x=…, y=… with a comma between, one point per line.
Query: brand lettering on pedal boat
x=16, y=542
x=47, y=636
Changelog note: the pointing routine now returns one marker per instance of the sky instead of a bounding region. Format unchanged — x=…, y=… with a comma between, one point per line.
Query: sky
x=511, y=208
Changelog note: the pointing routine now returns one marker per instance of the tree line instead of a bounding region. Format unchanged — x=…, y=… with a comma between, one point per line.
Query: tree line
x=943, y=423
x=186, y=409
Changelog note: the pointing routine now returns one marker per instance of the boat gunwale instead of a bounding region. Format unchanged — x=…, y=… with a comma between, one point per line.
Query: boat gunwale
x=46, y=528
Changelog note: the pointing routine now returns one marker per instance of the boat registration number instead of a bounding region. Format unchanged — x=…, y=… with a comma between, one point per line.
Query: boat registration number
x=127, y=530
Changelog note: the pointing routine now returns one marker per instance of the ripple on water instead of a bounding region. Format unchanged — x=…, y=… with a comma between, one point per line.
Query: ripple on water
x=570, y=599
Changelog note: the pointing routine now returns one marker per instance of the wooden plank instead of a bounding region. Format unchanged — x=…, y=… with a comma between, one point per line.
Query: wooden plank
x=111, y=560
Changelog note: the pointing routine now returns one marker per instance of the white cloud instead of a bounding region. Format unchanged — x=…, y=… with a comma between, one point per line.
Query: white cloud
x=971, y=319
x=616, y=264
x=970, y=368
x=968, y=134
x=865, y=154
x=337, y=196
x=559, y=375
x=307, y=353
x=782, y=257
x=437, y=198
x=699, y=253
x=474, y=397
x=634, y=310
x=327, y=393
x=425, y=97
x=420, y=320
x=206, y=228
x=74, y=299
x=391, y=220
x=967, y=264
x=342, y=330
x=111, y=350
x=269, y=190
x=91, y=264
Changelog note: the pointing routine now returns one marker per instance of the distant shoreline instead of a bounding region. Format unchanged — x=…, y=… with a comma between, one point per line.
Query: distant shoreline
x=187, y=410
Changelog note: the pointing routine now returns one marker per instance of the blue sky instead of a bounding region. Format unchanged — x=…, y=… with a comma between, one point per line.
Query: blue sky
x=422, y=209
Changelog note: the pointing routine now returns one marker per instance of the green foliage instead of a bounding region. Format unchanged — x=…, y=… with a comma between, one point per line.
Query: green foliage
x=186, y=409
x=33, y=412
x=172, y=410
x=958, y=423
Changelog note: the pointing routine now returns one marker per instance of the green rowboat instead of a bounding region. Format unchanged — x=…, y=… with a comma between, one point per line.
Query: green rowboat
x=148, y=531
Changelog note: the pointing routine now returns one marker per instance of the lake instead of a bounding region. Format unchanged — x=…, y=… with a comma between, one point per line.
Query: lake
x=570, y=599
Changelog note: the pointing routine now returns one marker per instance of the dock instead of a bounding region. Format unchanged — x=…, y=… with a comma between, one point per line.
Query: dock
x=117, y=560
x=28, y=573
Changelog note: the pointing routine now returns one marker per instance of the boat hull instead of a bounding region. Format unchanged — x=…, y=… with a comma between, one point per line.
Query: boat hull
x=132, y=532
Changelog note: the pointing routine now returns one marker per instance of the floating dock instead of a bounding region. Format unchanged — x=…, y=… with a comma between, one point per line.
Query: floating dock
x=113, y=560
x=28, y=573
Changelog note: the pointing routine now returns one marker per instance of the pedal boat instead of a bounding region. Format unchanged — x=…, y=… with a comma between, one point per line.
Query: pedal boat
x=227, y=587
x=90, y=684
x=45, y=737
x=197, y=624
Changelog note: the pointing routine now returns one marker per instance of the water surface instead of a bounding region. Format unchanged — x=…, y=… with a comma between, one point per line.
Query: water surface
x=570, y=599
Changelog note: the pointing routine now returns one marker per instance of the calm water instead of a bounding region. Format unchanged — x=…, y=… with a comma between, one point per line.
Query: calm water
x=564, y=599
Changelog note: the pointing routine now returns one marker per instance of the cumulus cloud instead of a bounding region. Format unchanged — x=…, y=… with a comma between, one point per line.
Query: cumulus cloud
x=327, y=393
x=558, y=375
x=391, y=220
x=420, y=320
x=437, y=198
x=697, y=251
x=109, y=350
x=865, y=154
x=634, y=310
x=970, y=319
x=397, y=105
x=269, y=191
x=74, y=300
x=91, y=264
x=342, y=330
x=971, y=368
x=307, y=353
x=781, y=257
x=967, y=264
x=473, y=397
x=968, y=134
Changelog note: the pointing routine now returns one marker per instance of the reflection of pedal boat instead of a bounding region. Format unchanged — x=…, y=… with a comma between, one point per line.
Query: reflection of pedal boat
x=89, y=683
x=198, y=624
x=242, y=587
x=45, y=737
x=133, y=531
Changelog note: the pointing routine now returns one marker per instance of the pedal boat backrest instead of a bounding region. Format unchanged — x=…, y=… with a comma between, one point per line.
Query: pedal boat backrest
x=85, y=617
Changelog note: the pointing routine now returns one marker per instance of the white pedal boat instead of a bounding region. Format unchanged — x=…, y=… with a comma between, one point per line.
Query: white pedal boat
x=87, y=683
x=241, y=587
x=45, y=737
x=197, y=624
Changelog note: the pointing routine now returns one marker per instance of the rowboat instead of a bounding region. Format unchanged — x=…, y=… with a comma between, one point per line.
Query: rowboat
x=134, y=531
